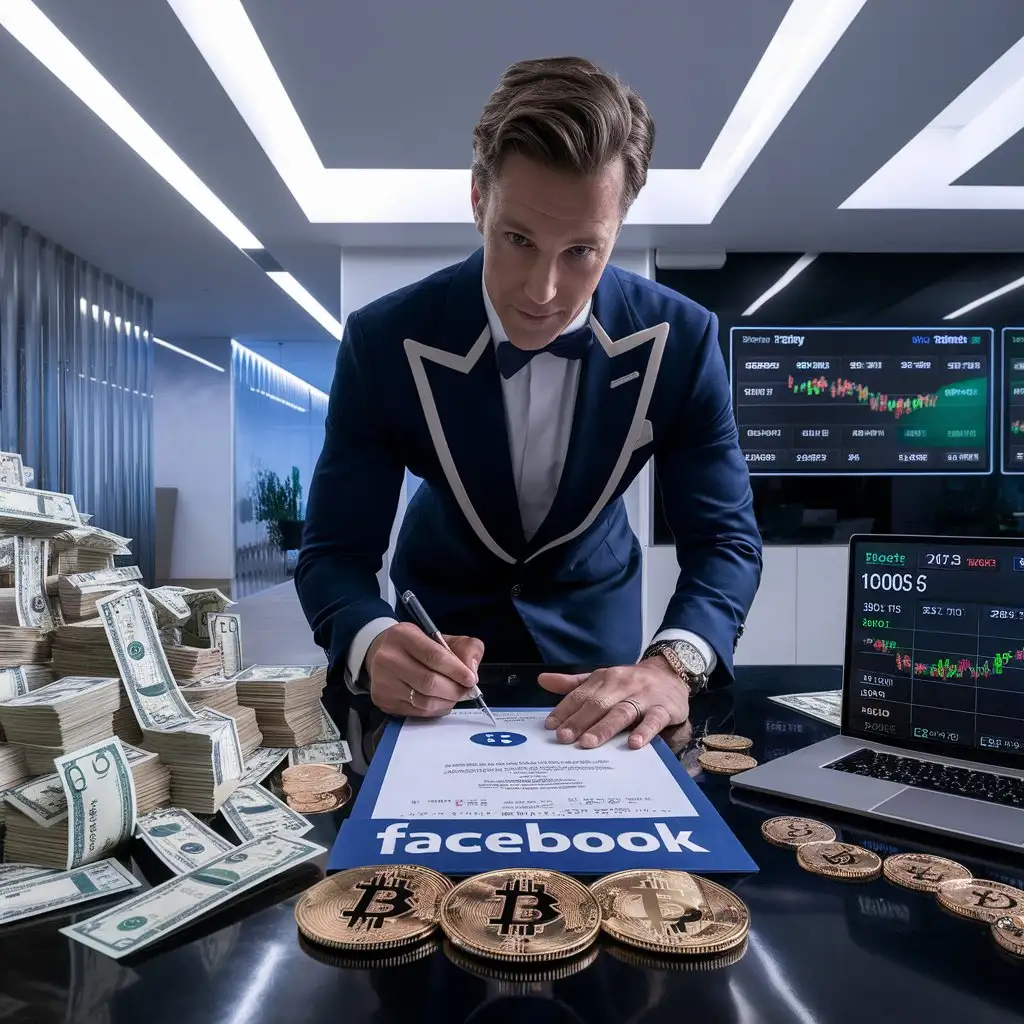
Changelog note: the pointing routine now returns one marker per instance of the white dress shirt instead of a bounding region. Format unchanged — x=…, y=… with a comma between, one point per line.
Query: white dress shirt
x=539, y=403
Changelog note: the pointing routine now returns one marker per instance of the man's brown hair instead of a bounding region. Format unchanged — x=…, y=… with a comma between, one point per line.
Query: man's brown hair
x=567, y=114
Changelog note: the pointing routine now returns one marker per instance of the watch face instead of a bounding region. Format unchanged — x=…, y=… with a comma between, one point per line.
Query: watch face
x=690, y=657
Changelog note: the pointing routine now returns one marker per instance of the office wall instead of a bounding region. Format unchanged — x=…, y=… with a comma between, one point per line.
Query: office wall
x=193, y=453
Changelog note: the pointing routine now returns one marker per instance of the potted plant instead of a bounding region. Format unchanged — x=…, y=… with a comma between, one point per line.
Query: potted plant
x=277, y=503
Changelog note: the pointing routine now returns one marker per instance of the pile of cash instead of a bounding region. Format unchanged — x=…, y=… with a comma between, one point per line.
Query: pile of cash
x=191, y=663
x=83, y=647
x=13, y=768
x=78, y=593
x=221, y=695
x=61, y=717
x=286, y=699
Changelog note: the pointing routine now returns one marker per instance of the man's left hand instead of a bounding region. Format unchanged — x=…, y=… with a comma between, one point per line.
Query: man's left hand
x=595, y=708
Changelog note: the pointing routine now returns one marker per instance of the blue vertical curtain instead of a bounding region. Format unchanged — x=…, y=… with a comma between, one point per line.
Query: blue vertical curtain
x=76, y=371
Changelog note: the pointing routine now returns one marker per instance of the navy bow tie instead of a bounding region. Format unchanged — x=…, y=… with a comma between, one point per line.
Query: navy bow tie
x=571, y=345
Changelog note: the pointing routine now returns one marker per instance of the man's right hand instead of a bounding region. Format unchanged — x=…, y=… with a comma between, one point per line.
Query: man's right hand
x=412, y=675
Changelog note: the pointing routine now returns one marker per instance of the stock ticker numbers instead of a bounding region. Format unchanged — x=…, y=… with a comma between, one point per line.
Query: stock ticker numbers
x=937, y=645
x=1012, y=417
x=832, y=400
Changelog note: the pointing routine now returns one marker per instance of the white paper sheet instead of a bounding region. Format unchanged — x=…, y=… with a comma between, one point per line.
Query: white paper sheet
x=460, y=766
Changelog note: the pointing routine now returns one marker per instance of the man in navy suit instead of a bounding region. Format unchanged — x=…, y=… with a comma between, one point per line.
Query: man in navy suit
x=527, y=387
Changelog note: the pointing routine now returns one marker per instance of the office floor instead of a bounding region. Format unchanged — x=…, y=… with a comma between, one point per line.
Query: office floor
x=274, y=630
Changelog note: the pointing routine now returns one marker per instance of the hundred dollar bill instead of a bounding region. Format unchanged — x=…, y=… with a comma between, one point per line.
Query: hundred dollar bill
x=153, y=915
x=103, y=579
x=100, y=794
x=180, y=839
x=333, y=752
x=273, y=673
x=262, y=761
x=226, y=633
x=18, y=874
x=47, y=893
x=141, y=662
x=28, y=506
x=12, y=469
x=328, y=730
x=13, y=683
x=253, y=812
x=824, y=705
x=31, y=558
x=43, y=799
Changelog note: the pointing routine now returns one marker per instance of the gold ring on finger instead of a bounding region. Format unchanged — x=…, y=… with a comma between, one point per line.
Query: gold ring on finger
x=636, y=707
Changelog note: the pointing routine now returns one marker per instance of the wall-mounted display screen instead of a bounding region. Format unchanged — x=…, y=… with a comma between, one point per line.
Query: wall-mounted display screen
x=1012, y=418
x=864, y=400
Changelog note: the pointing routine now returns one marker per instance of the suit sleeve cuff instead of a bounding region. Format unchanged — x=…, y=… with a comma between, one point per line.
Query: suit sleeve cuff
x=684, y=634
x=358, y=648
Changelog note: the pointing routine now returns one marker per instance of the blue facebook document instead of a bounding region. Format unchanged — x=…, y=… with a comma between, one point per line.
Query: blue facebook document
x=461, y=796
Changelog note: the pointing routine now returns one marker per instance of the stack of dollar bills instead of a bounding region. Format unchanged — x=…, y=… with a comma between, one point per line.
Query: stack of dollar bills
x=286, y=699
x=83, y=648
x=79, y=592
x=20, y=680
x=191, y=663
x=221, y=695
x=13, y=768
x=61, y=717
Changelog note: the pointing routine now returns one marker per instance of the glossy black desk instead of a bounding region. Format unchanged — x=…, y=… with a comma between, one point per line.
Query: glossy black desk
x=819, y=951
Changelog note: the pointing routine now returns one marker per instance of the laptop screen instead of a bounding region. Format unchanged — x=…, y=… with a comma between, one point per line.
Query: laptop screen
x=935, y=645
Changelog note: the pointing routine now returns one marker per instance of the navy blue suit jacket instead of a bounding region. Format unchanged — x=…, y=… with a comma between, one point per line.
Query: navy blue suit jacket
x=417, y=386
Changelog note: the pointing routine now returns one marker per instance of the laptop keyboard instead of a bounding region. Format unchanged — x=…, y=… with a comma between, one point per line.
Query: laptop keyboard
x=944, y=778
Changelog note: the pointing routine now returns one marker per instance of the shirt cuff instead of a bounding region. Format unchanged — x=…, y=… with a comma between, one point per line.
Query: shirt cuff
x=698, y=641
x=360, y=645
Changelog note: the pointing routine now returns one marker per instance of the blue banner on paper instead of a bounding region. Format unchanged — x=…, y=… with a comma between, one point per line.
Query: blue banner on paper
x=701, y=843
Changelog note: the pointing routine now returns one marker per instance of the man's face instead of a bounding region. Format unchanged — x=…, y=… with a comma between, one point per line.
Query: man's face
x=547, y=238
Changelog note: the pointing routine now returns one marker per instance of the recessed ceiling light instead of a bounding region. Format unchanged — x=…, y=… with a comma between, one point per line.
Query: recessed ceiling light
x=225, y=37
x=795, y=270
x=290, y=286
x=187, y=354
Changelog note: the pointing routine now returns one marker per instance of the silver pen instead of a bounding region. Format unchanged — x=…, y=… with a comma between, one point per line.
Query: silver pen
x=423, y=620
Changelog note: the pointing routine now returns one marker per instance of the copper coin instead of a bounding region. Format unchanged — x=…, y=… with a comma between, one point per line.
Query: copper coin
x=980, y=899
x=792, y=832
x=923, y=871
x=521, y=915
x=726, y=741
x=322, y=803
x=1009, y=933
x=839, y=860
x=372, y=908
x=722, y=762
x=649, y=961
x=520, y=974
x=307, y=776
x=371, y=961
x=670, y=912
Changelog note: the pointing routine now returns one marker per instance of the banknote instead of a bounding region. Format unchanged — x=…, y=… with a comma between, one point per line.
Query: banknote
x=18, y=874
x=168, y=606
x=153, y=915
x=30, y=506
x=31, y=559
x=60, y=690
x=328, y=730
x=196, y=631
x=95, y=539
x=12, y=469
x=262, y=761
x=226, y=633
x=12, y=683
x=100, y=794
x=824, y=705
x=227, y=748
x=253, y=812
x=6, y=553
x=103, y=579
x=141, y=662
x=51, y=892
x=274, y=673
x=180, y=839
x=334, y=752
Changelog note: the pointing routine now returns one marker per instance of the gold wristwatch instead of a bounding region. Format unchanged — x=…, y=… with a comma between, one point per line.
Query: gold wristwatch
x=684, y=659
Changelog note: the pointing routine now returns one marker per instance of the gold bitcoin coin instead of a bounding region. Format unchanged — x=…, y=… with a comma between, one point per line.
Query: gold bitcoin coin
x=521, y=915
x=980, y=899
x=793, y=832
x=372, y=908
x=722, y=762
x=649, y=961
x=839, y=860
x=726, y=741
x=1009, y=933
x=370, y=961
x=526, y=973
x=319, y=803
x=670, y=912
x=923, y=871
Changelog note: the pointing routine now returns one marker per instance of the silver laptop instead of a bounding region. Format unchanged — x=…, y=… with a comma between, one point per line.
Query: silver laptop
x=932, y=728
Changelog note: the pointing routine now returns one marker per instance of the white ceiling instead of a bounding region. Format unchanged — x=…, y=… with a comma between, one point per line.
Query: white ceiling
x=399, y=84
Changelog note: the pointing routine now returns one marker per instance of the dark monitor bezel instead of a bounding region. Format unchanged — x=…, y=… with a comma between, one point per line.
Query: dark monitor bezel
x=1003, y=759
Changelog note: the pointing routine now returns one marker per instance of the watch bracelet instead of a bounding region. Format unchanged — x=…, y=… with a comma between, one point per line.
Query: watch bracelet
x=693, y=683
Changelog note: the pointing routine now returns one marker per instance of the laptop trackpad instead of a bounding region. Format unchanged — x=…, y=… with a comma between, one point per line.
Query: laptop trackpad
x=955, y=814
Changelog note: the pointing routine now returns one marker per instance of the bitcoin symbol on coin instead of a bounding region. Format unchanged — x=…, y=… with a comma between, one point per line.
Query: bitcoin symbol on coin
x=843, y=857
x=543, y=911
x=380, y=898
x=680, y=915
x=992, y=900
